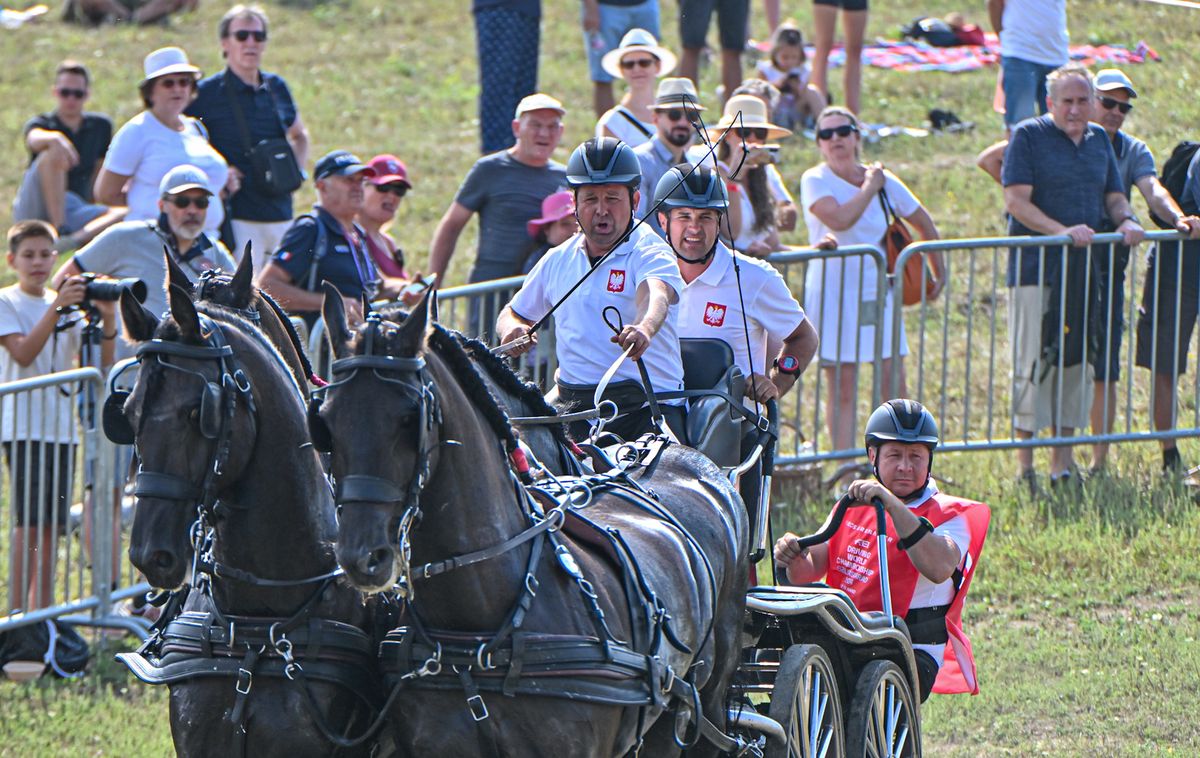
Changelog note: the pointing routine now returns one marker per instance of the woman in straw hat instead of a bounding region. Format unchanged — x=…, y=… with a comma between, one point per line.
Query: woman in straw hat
x=640, y=61
x=160, y=138
x=845, y=198
x=758, y=186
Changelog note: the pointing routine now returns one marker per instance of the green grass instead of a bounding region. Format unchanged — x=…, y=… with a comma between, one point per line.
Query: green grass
x=1083, y=613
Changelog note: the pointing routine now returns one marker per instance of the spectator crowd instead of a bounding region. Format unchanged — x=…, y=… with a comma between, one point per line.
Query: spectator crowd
x=207, y=171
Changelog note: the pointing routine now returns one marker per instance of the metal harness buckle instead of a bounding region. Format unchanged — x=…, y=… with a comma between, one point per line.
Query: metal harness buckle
x=244, y=681
x=477, y=707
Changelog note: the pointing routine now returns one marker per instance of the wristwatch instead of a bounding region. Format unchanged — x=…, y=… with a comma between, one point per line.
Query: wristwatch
x=787, y=364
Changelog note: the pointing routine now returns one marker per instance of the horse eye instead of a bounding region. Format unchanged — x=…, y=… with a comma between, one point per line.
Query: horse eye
x=194, y=415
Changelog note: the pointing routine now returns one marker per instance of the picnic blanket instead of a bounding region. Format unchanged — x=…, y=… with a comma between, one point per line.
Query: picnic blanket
x=919, y=56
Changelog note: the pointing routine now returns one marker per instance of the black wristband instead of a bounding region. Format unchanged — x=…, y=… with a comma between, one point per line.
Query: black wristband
x=923, y=528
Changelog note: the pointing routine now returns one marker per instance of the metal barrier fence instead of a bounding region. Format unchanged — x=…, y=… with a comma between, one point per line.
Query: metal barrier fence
x=962, y=352
x=977, y=359
x=63, y=554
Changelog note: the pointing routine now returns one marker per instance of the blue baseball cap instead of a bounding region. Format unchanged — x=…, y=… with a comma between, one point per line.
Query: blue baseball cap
x=341, y=163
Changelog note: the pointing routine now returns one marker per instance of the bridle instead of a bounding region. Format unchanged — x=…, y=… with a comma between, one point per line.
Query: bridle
x=412, y=378
x=218, y=406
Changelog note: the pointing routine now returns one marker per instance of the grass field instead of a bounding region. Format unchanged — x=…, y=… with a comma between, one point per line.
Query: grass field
x=1083, y=613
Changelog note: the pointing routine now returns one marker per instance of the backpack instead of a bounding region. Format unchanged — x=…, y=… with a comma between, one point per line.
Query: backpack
x=1174, y=178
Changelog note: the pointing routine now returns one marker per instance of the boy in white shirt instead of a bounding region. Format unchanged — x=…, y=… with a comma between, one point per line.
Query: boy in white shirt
x=38, y=427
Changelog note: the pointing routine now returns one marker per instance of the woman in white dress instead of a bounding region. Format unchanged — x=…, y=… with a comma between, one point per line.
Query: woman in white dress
x=843, y=200
x=160, y=138
x=640, y=61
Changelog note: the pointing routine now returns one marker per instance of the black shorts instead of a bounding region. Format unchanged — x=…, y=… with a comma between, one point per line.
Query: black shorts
x=40, y=476
x=1170, y=303
x=846, y=5
x=732, y=18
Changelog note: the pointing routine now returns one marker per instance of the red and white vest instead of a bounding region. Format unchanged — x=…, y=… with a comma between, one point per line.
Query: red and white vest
x=854, y=568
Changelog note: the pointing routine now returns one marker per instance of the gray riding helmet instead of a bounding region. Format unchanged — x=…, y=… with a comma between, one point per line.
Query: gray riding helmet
x=603, y=161
x=683, y=187
x=902, y=420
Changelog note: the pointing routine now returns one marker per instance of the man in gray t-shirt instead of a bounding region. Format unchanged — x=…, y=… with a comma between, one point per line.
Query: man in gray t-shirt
x=506, y=190
x=135, y=249
x=1135, y=164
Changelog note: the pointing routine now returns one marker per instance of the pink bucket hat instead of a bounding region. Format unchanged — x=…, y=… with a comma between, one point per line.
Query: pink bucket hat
x=554, y=208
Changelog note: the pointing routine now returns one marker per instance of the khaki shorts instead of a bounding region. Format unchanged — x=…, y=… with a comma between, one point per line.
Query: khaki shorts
x=1063, y=398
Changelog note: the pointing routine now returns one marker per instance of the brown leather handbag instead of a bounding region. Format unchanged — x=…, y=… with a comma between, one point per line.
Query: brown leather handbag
x=895, y=238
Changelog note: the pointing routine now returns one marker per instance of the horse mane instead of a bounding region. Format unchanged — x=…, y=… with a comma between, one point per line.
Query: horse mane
x=503, y=374
x=443, y=342
x=289, y=328
x=497, y=368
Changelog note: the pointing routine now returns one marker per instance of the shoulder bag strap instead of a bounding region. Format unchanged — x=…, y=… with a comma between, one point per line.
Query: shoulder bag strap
x=238, y=116
x=636, y=124
x=318, y=251
x=275, y=107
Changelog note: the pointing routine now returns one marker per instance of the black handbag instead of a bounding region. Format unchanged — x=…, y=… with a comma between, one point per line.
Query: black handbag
x=273, y=168
x=53, y=642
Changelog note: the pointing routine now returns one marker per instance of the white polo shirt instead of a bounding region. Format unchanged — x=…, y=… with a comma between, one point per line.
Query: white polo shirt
x=710, y=307
x=584, y=347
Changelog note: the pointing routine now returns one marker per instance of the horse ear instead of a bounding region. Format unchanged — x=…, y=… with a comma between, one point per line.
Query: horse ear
x=333, y=310
x=412, y=331
x=139, y=322
x=242, y=284
x=183, y=310
x=175, y=275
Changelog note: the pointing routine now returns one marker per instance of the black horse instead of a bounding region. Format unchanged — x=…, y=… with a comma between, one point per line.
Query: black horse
x=507, y=650
x=227, y=465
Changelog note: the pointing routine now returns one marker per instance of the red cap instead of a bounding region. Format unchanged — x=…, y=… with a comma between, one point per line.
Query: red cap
x=389, y=170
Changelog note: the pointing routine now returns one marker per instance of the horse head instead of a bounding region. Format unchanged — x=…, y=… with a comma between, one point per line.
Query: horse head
x=191, y=415
x=380, y=419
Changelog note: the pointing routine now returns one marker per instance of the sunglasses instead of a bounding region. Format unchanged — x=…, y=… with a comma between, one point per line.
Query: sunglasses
x=184, y=82
x=845, y=130
x=78, y=94
x=183, y=201
x=399, y=190
x=678, y=114
x=629, y=65
x=1110, y=103
x=746, y=132
x=241, y=35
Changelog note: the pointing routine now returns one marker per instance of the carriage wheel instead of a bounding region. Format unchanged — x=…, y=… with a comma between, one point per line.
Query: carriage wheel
x=883, y=719
x=806, y=703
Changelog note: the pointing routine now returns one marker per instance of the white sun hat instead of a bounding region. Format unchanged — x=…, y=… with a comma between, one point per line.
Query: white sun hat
x=636, y=40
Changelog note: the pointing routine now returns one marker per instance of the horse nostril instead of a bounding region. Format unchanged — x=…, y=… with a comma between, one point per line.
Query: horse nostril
x=162, y=559
x=377, y=559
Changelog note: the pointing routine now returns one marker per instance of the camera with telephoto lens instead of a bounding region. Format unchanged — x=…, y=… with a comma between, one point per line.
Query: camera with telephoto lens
x=107, y=290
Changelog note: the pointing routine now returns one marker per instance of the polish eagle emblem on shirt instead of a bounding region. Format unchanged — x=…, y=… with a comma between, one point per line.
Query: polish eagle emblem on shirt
x=616, y=280
x=714, y=314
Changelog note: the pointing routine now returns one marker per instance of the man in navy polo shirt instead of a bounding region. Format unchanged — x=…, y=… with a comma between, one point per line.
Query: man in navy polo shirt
x=267, y=111
x=328, y=246
x=1060, y=178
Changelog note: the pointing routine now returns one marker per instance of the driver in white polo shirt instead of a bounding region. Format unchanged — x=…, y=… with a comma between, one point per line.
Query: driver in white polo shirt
x=638, y=277
x=740, y=300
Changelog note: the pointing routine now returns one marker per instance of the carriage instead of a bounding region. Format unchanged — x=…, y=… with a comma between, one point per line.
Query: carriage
x=649, y=658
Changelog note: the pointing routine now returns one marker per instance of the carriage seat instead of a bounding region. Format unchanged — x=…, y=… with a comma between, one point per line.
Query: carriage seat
x=712, y=427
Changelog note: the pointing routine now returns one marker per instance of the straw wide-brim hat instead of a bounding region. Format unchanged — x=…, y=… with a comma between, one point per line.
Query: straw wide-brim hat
x=636, y=40
x=167, y=60
x=753, y=115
